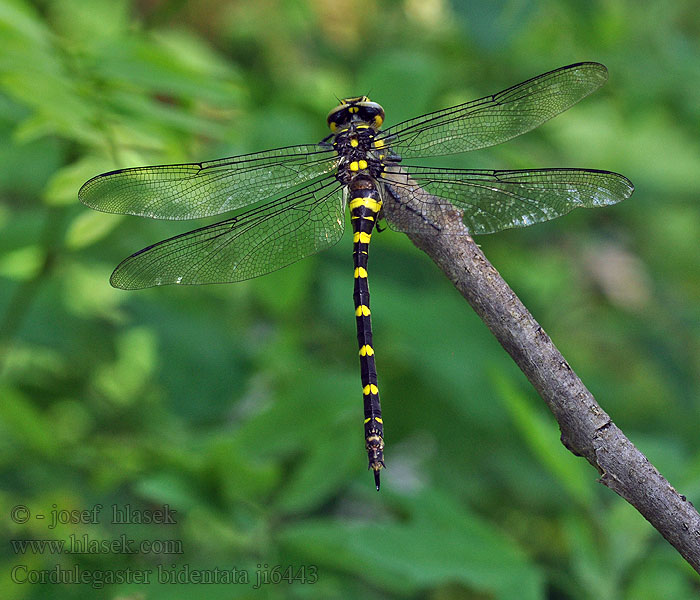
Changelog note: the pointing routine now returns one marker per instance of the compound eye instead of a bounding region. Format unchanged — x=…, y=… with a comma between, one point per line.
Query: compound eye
x=374, y=115
x=337, y=117
x=367, y=113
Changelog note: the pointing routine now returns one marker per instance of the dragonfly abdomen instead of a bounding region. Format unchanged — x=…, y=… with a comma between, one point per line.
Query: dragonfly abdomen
x=365, y=204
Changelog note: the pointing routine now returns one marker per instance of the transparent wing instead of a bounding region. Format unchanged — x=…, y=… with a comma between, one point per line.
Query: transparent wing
x=425, y=200
x=253, y=243
x=497, y=118
x=191, y=191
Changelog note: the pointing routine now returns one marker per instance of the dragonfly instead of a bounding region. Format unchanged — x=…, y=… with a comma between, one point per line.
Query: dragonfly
x=291, y=202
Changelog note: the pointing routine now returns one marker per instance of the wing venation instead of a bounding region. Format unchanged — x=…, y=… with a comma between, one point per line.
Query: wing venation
x=256, y=242
x=425, y=199
x=497, y=118
x=191, y=191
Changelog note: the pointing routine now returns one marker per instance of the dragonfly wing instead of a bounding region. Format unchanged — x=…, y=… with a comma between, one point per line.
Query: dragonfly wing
x=488, y=201
x=494, y=119
x=191, y=191
x=253, y=243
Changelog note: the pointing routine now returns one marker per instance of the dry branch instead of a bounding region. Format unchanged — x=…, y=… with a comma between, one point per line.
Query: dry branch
x=586, y=429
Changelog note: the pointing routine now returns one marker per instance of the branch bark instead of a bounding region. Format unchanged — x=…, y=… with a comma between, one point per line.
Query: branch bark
x=586, y=429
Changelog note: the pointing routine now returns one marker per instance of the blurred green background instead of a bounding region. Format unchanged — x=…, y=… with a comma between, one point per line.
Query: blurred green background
x=239, y=406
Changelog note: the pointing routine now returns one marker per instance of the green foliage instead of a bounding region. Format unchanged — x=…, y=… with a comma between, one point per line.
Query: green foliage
x=239, y=406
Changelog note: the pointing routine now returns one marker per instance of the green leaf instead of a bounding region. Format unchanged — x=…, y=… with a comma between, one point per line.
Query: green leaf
x=87, y=293
x=328, y=465
x=22, y=263
x=437, y=543
x=23, y=422
x=543, y=438
x=123, y=380
x=89, y=227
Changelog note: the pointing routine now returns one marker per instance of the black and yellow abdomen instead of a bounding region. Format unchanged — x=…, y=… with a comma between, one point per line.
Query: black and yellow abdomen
x=365, y=205
x=354, y=124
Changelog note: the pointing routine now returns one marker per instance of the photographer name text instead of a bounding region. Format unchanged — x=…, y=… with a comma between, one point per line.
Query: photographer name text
x=115, y=514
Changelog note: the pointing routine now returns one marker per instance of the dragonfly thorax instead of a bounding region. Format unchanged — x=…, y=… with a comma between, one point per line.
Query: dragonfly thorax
x=355, y=123
x=359, y=152
x=360, y=110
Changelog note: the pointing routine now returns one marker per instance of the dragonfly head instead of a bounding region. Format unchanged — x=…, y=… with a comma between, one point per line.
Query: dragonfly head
x=360, y=110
